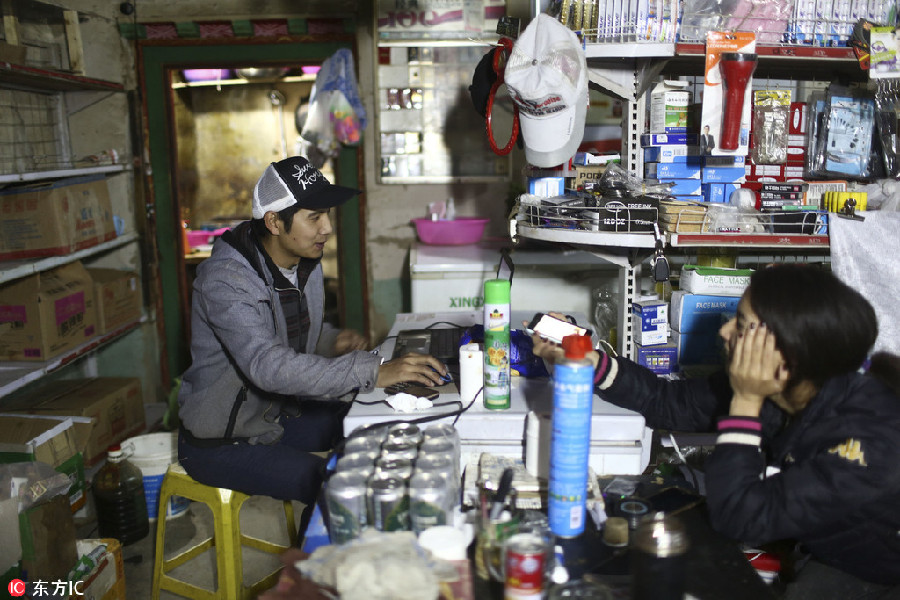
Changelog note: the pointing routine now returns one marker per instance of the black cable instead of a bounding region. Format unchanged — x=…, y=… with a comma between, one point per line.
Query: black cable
x=425, y=419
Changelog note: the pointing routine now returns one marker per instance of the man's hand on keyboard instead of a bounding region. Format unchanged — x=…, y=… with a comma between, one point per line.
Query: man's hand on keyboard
x=420, y=368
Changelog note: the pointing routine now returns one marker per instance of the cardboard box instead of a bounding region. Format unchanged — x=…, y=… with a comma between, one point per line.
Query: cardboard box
x=56, y=441
x=587, y=174
x=698, y=348
x=113, y=404
x=48, y=541
x=106, y=581
x=718, y=281
x=117, y=297
x=723, y=175
x=650, y=321
x=670, y=139
x=46, y=314
x=672, y=170
x=673, y=154
x=701, y=313
x=661, y=359
x=54, y=218
x=669, y=102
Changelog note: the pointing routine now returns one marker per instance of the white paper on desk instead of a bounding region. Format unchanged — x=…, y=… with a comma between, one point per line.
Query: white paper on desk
x=408, y=402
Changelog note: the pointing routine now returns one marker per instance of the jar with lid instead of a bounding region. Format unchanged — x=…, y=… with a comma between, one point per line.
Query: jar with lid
x=659, y=555
x=118, y=490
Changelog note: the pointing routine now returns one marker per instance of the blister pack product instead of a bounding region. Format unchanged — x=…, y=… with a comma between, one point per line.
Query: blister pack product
x=887, y=105
x=845, y=137
x=771, y=111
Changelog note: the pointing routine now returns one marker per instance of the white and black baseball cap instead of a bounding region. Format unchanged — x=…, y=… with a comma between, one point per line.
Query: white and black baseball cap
x=546, y=75
x=295, y=181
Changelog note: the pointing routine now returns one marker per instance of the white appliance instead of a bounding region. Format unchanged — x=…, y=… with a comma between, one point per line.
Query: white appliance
x=451, y=278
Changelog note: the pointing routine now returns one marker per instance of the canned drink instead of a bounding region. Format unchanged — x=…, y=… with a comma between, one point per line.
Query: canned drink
x=346, y=496
x=357, y=460
x=442, y=465
x=394, y=448
x=362, y=443
x=378, y=432
x=526, y=563
x=388, y=502
x=405, y=431
x=443, y=431
x=429, y=501
x=401, y=467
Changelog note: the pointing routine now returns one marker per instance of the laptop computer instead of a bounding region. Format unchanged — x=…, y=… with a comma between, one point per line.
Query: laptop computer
x=440, y=342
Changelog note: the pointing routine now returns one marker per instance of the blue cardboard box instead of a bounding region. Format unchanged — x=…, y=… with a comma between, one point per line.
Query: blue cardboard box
x=672, y=171
x=670, y=139
x=718, y=192
x=701, y=313
x=673, y=154
x=661, y=359
x=698, y=348
x=724, y=175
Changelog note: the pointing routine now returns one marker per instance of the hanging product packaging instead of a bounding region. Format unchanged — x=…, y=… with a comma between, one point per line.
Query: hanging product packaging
x=725, y=111
x=496, y=344
x=771, y=111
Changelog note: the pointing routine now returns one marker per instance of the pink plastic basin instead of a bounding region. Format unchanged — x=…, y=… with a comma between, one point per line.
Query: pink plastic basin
x=458, y=232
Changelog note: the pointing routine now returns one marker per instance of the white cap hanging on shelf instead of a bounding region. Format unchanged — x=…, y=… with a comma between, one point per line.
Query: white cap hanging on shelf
x=547, y=79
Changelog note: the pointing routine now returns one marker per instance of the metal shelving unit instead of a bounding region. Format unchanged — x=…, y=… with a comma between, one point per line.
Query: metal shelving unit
x=42, y=153
x=626, y=71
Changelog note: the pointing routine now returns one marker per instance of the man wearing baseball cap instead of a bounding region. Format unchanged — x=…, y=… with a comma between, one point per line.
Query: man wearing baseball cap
x=270, y=382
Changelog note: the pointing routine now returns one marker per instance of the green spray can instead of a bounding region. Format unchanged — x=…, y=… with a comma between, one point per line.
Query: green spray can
x=496, y=344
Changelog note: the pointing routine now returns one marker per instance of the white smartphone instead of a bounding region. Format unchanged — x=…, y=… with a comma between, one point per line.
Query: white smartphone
x=554, y=329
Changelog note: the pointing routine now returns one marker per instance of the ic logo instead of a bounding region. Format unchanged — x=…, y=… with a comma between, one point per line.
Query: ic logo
x=16, y=588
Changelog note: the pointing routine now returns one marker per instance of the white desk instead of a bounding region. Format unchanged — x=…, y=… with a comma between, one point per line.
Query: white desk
x=620, y=441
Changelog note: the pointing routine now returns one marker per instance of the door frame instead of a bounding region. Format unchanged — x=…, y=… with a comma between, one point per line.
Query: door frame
x=156, y=59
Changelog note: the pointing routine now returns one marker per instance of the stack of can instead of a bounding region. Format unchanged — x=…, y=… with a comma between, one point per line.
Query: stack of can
x=395, y=478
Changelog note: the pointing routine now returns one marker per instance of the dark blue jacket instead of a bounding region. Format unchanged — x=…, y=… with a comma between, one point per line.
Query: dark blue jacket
x=838, y=489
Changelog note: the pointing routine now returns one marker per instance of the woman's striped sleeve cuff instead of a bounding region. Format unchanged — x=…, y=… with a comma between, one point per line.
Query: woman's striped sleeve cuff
x=746, y=431
x=606, y=371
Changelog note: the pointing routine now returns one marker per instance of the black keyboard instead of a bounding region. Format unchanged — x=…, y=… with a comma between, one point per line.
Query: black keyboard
x=445, y=342
x=439, y=342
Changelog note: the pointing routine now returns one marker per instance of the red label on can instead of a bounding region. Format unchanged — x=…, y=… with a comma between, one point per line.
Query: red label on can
x=524, y=571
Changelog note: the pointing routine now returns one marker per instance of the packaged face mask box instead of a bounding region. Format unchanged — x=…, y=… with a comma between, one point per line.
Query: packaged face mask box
x=719, y=281
x=661, y=359
x=701, y=313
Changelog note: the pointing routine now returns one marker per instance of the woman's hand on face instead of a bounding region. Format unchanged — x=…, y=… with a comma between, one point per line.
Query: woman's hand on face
x=756, y=370
x=421, y=368
x=348, y=340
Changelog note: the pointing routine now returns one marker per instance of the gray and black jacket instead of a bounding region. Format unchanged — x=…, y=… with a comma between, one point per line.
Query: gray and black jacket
x=244, y=372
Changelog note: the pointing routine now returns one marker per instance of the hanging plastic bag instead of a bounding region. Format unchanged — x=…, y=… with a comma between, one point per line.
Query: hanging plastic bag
x=336, y=113
x=318, y=130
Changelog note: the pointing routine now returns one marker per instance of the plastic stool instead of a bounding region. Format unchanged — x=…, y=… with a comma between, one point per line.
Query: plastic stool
x=227, y=538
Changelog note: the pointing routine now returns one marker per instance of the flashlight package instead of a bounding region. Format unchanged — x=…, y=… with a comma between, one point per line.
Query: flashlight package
x=727, y=83
x=771, y=112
